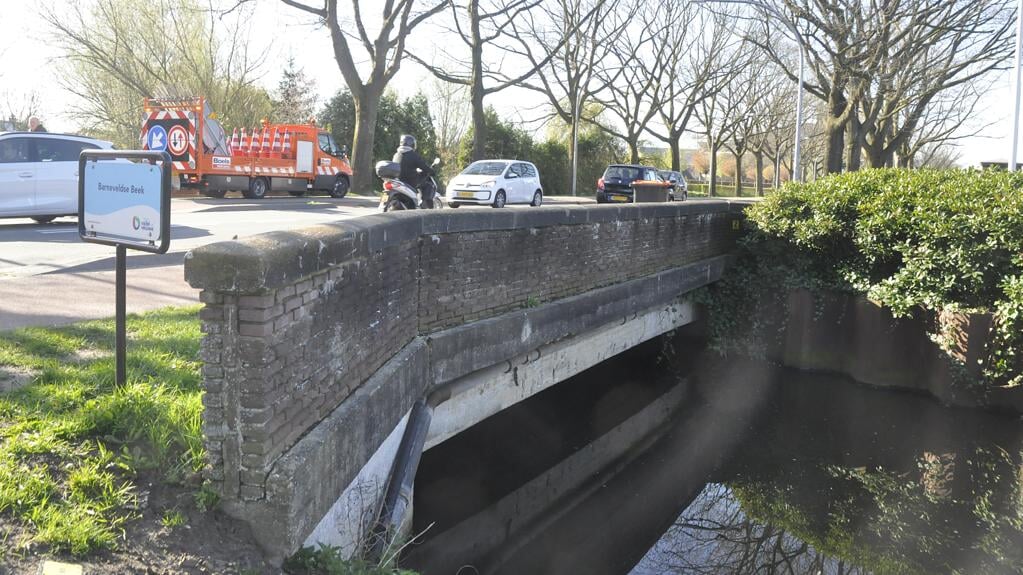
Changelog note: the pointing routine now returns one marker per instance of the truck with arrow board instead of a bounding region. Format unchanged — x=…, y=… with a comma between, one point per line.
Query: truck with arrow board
x=293, y=158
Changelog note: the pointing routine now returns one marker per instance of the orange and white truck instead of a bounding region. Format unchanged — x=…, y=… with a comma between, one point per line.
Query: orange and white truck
x=295, y=158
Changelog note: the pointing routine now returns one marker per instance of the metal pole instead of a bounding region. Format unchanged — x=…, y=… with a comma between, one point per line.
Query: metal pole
x=796, y=174
x=120, y=374
x=575, y=139
x=1016, y=78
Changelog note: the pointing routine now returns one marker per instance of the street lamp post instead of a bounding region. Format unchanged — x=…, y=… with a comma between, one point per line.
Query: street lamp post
x=772, y=11
x=1016, y=86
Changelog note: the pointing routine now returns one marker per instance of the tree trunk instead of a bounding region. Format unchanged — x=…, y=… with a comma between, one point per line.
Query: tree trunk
x=759, y=157
x=476, y=92
x=713, y=189
x=835, y=147
x=835, y=130
x=479, y=122
x=634, y=151
x=676, y=154
x=738, y=175
x=366, y=108
x=777, y=172
x=876, y=157
x=573, y=153
x=854, y=151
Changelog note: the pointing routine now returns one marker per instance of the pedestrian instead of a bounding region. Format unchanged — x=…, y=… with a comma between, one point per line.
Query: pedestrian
x=34, y=125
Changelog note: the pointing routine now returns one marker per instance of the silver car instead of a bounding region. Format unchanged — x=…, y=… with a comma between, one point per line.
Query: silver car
x=39, y=173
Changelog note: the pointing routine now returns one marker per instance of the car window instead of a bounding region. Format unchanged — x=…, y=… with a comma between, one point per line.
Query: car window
x=57, y=150
x=528, y=170
x=485, y=169
x=13, y=150
x=651, y=176
x=324, y=141
x=520, y=170
x=625, y=174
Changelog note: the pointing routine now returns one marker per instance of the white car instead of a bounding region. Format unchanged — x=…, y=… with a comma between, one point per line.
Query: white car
x=496, y=183
x=39, y=173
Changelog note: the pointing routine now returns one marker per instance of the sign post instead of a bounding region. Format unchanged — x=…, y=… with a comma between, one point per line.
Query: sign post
x=124, y=201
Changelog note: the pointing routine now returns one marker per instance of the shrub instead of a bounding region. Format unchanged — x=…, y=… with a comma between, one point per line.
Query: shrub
x=938, y=240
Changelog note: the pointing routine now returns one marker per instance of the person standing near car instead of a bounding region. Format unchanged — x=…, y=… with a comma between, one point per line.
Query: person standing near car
x=413, y=167
x=34, y=125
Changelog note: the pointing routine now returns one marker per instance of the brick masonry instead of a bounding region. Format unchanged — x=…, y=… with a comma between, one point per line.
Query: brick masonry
x=294, y=322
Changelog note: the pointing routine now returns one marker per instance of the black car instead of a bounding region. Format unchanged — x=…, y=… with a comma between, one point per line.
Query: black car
x=679, y=187
x=616, y=183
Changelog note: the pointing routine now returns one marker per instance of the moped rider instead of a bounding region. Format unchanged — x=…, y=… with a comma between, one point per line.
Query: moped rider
x=414, y=168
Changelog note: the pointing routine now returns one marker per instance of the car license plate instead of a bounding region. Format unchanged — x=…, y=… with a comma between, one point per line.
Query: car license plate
x=620, y=198
x=466, y=195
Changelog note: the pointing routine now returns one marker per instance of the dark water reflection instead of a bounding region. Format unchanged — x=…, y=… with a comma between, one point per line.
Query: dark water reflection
x=757, y=471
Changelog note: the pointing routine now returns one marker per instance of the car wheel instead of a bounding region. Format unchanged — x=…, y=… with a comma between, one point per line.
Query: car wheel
x=685, y=195
x=537, y=199
x=499, y=199
x=258, y=188
x=44, y=219
x=341, y=186
x=453, y=205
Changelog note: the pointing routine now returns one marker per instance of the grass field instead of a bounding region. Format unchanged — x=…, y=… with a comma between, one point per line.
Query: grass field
x=72, y=445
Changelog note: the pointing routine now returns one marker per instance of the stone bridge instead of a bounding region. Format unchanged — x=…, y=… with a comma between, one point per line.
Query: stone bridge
x=320, y=345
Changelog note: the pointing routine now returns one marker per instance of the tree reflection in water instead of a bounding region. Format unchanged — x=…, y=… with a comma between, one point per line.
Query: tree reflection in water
x=847, y=480
x=716, y=536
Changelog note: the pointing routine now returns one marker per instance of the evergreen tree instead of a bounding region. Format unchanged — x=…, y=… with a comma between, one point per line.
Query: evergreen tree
x=295, y=99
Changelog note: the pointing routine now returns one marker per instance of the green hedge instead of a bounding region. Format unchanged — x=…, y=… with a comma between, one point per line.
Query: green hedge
x=939, y=240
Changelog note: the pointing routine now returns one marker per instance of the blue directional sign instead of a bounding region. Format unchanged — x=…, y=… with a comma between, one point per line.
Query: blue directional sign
x=156, y=138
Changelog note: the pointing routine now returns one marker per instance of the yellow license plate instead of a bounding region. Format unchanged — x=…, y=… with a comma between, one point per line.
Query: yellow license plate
x=620, y=198
x=466, y=195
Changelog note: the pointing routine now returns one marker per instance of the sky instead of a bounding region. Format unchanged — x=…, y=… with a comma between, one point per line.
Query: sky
x=29, y=62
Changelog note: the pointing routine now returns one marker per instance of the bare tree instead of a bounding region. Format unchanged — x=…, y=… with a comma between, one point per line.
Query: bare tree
x=386, y=50
x=118, y=52
x=724, y=114
x=948, y=118
x=773, y=122
x=631, y=75
x=694, y=64
x=485, y=27
x=448, y=103
x=872, y=60
x=567, y=52
x=941, y=46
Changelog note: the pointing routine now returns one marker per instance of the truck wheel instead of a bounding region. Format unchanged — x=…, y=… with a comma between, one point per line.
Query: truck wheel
x=258, y=188
x=341, y=186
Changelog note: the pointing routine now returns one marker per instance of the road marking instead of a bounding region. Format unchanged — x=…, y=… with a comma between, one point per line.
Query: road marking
x=75, y=231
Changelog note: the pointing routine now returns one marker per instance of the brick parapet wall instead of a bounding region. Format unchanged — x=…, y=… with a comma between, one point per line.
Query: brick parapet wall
x=294, y=322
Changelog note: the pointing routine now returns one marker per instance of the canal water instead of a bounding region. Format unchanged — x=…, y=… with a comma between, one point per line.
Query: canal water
x=669, y=460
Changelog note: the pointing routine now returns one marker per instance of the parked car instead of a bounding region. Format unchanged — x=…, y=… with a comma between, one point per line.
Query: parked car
x=496, y=183
x=616, y=183
x=39, y=173
x=679, y=187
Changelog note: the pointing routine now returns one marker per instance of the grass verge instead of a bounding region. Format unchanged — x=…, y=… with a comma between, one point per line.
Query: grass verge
x=72, y=444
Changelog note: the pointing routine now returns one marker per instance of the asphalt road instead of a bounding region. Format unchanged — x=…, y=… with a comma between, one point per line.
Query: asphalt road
x=48, y=276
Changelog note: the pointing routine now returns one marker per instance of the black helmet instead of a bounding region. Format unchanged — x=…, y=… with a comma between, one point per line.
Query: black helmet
x=408, y=140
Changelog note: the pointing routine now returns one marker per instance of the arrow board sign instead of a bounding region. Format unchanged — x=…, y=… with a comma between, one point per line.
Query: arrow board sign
x=177, y=140
x=156, y=138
